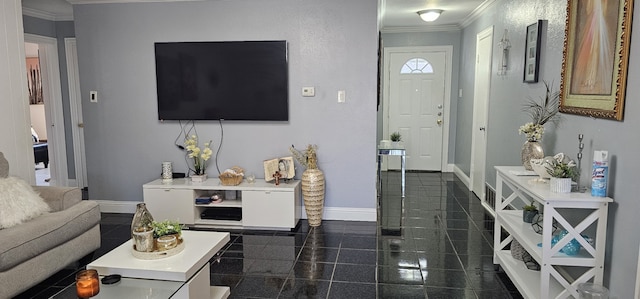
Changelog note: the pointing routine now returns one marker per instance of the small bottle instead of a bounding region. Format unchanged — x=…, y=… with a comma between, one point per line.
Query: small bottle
x=600, y=173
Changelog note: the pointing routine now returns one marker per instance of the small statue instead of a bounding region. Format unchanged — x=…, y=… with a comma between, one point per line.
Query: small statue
x=277, y=176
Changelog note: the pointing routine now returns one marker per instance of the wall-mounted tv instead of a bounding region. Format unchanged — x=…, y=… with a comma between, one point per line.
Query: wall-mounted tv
x=231, y=80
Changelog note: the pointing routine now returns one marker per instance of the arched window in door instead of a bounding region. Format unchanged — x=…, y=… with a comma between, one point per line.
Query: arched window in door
x=416, y=66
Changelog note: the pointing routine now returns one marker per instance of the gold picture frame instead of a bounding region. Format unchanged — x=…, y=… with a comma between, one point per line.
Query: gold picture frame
x=595, y=57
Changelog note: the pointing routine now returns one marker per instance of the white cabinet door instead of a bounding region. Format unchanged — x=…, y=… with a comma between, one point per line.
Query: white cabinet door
x=170, y=204
x=268, y=209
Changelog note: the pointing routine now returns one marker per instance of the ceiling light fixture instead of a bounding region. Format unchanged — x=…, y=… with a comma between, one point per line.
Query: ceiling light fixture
x=430, y=15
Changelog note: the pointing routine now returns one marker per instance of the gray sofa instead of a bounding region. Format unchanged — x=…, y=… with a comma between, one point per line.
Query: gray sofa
x=33, y=251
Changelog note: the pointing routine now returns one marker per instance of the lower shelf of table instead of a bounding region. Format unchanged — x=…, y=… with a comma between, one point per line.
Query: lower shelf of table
x=141, y=288
x=527, y=281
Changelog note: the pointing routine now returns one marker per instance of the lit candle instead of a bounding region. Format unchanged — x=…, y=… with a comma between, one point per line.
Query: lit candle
x=87, y=284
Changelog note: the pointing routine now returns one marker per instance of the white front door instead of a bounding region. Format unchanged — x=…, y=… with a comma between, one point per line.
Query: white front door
x=416, y=106
x=484, y=42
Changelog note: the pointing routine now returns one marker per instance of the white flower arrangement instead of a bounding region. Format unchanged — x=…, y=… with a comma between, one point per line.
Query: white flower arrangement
x=533, y=131
x=200, y=157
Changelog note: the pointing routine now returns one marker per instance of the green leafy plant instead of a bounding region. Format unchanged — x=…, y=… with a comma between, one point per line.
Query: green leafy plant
x=530, y=207
x=541, y=112
x=562, y=166
x=166, y=227
x=545, y=110
x=395, y=137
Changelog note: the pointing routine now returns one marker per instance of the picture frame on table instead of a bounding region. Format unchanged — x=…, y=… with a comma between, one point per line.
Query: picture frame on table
x=595, y=58
x=532, y=52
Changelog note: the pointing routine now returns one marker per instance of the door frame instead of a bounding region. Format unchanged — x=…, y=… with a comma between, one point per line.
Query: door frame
x=75, y=105
x=444, y=165
x=486, y=33
x=52, y=91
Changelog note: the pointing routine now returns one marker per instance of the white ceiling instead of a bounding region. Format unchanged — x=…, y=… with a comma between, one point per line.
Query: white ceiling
x=395, y=15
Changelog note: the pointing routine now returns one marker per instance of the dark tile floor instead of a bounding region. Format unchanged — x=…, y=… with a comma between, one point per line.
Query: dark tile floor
x=435, y=243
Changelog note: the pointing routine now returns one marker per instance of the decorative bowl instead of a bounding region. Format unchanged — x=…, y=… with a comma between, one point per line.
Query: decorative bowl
x=539, y=166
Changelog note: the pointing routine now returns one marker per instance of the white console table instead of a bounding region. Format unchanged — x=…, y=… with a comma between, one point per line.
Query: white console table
x=577, y=213
x=263, y=205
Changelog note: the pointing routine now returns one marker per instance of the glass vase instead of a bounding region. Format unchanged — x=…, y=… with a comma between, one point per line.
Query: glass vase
x=142, y=222
x=531, y=149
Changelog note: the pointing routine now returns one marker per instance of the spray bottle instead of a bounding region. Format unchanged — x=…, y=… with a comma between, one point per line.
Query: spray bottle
x=600, y=173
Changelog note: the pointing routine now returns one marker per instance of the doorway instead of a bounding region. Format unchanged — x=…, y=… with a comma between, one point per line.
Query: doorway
x=37, y=114
x=482, y=87
x=417, y=85
x=53, y=123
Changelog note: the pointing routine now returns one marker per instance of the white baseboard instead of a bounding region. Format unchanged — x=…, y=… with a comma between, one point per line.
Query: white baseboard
x=347, y=214
x=329, y=213
x=462, y=176
x=450, y=168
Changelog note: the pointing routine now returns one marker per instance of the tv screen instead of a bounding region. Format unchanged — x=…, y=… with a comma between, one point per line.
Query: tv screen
x=233, y=80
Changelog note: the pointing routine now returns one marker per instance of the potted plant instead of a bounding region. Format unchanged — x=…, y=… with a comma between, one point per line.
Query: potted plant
x=166, y=227
x=199, y=156
x=540, y=112
x=528, y=212
x=396, y=138
x=167, y=234
x=563, y=171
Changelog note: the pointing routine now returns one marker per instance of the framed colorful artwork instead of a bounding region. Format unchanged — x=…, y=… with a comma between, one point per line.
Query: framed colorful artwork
x=595, y=57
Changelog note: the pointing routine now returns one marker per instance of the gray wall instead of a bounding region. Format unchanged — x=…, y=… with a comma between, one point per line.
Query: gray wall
x=332, y=46
x=58, y=30
x=419, y=39
x=508, y=94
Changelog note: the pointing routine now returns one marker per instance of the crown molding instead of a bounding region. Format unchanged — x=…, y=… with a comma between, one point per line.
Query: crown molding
x=36, y=13
x=476, y=13
x=438, y=28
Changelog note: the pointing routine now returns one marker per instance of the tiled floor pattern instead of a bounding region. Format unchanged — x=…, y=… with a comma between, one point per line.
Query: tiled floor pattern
x=436, y=243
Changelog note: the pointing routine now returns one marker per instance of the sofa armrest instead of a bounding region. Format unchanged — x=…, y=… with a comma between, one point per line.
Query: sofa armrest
x=59, y=198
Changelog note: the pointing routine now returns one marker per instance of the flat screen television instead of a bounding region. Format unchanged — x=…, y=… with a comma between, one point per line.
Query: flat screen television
x=231, y=80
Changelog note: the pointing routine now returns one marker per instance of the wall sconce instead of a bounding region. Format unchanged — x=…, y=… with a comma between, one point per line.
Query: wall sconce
x=430, y=15
x=504, y=61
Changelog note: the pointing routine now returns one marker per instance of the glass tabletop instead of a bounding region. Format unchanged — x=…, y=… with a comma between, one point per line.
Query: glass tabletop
x=391, y=151
x=128, y=288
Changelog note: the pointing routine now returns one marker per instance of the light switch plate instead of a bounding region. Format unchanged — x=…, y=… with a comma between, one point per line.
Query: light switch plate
x=93, y=96
x=342, y=96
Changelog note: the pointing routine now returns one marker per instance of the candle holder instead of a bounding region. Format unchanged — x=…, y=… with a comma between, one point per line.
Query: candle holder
x=579, y=188
x=87, y=283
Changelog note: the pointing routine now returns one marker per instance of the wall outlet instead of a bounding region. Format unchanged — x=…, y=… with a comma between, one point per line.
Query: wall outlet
x=309, y=91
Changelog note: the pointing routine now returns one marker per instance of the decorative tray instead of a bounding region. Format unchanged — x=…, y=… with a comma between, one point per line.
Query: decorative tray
x=156, y=254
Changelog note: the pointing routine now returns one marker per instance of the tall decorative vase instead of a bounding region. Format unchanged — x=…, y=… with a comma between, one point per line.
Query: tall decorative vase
x=141, y=228
x=531, y=150
x=313, y=194
x=312, y=184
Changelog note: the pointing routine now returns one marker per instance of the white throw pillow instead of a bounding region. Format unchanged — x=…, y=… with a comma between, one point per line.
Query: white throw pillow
x=19, y=202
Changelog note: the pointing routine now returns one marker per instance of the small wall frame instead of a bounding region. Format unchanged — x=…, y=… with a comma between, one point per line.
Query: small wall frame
x=532, y=52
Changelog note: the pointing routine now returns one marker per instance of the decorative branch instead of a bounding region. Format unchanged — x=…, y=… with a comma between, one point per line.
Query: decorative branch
x=307, y=157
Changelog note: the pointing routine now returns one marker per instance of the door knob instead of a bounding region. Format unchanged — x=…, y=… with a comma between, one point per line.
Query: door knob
x=439, y=106
x=80, y=125
x=439, y=121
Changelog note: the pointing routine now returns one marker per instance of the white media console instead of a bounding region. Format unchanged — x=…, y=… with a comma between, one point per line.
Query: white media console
x=260, y=204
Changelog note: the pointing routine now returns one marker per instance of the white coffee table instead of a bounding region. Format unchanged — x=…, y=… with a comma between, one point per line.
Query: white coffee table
x=190, y=266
